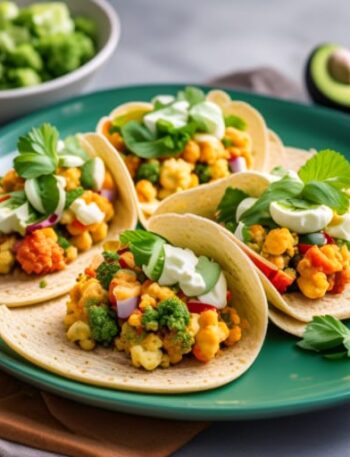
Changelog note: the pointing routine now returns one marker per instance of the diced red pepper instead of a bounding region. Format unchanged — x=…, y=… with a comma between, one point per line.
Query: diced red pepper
x=122, y=263
x=78, y=225
x=267, y=268
x=303, y=248
x=90, y=272
x=329, y=239
x=228, y=296
x=198, y=307
x=282, y=281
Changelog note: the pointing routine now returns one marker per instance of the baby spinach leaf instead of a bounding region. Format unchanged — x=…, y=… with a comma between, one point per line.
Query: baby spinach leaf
x=228, y=206
x=323, y=193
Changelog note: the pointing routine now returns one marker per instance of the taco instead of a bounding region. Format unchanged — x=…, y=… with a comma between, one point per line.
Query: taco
x=58, y=203
x=178, y=309
x=176, y=143
x=295, y=227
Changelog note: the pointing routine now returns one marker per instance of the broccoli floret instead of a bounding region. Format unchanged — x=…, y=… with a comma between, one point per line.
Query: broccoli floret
x=103, y=325
x=25, y=55
x=23, y=77
x=150, y=319
x=85, y=25
x=203, y=172
x=182, y=340
x=8, y=11
x=65, y=53
x=173, y=313
x=149, y=171
x=45, y=19
x=106, y=271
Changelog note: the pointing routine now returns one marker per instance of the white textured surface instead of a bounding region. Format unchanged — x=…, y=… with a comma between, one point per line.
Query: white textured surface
x=195, y=40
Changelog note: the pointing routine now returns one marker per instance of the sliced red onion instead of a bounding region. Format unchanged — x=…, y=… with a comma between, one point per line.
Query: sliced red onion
x=126, y=307
x=49, y=222
x=111, y=195
x=237, y=164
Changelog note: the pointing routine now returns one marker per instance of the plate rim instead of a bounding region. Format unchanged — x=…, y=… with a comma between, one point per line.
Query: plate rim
x=128, y=401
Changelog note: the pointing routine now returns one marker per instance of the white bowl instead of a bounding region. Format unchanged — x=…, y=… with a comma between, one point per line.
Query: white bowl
x=17, y=102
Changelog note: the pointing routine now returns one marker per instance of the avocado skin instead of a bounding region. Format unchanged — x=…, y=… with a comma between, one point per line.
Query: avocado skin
x=316, y=95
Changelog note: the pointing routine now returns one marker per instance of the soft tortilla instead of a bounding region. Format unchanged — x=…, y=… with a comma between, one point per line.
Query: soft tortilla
x=286, y=323
x=204, y=202
x=256, y=127
x=20, y=289
x=37, y=333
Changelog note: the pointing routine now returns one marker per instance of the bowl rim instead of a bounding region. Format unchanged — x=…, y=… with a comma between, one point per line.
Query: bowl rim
x=98, y=60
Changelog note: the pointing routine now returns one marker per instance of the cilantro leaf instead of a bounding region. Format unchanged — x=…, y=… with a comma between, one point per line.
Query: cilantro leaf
x=168, y=141
x=141, y=244
x=325, y=194
x=49, y=193
x=325, y=333
x=327, y=166
x=32, y=165
x=37, y=152
x=228, y=206
x=72, y=147
x=192, y=95
x=236, y=122
x=279, y=190
x=72, y=195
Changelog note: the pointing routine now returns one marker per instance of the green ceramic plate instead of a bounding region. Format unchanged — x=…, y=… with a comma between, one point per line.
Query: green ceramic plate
x=284, y=380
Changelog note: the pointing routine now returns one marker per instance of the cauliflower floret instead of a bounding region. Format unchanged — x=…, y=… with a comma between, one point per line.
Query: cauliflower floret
x=191, y=152
x=124, y=285
x=219, y=169
x=102, y=202
x=148, y=354
x=72, y=177
x=155, y=291
x=175, y=174
x=210, y=335
x=11, y=182
x=40, y=253
x=80, y=333
x=279, y=241
x=211, y=151
x=146, y=191
x=7, y=257
x=85, y=292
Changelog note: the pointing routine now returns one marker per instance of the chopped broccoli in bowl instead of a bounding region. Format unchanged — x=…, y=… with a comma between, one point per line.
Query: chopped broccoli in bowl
x=41, y=42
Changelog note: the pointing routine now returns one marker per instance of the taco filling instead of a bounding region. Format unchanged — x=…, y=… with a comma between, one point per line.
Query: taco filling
x=154, y=301
x=177, y=143
x=54, y=203
x=299, y=226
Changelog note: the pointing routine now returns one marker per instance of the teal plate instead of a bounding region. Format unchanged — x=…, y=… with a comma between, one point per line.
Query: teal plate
x=283, y=380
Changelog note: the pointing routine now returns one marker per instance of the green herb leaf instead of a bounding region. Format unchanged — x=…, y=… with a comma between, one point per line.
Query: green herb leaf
x=141, y=244
x=110, y=256
x=236, y=122
x=279, y=190
x=192, y=95
x=72, y=195
x=228, y=206
x=323, y=193
x=17, y=198
x=329, y=166
x=49, y=193
x=298, y=203
x=72, y=147
x=37, y=152
x=323, y=333
x=32, y=165
x=63, y=242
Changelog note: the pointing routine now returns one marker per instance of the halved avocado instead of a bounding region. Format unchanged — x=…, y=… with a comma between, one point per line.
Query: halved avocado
x=328, y=76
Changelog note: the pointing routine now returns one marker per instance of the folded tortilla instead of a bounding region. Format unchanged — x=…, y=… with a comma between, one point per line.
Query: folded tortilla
x=256, y=128
x=204, y=202
x=20, y=289
x=37, y=333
